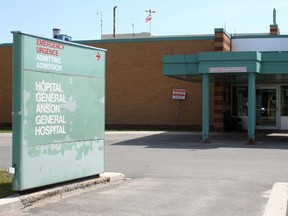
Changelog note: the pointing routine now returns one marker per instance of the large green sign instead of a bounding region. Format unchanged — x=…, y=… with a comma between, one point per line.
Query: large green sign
x=58, y=111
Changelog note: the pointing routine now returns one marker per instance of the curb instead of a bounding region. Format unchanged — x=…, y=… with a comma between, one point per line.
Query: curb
x=6, y=134
x=113, y=177
x=18, y=202
x=277, y=203
x=162, y=133
x=10, y=205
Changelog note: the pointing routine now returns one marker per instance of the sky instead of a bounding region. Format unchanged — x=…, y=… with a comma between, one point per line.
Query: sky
x=82, y=19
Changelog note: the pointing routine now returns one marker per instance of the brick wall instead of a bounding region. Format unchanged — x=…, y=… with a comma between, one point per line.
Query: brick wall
x=274, y=30
x=137, y=92
x=222, y=42
x=221, y=90
x=5, y=85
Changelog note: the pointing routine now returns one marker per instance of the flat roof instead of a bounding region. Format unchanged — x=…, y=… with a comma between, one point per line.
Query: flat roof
x=231, y=67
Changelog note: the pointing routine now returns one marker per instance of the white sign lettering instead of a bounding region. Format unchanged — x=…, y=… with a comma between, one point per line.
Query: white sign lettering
x=49, y=120
x=227, y=69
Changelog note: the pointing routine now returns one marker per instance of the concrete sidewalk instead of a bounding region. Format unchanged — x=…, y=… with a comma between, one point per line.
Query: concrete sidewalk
x=16, y=203
x=276, y=205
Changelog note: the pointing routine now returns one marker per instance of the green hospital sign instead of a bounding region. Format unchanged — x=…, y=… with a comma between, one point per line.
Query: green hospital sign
x=58, y=111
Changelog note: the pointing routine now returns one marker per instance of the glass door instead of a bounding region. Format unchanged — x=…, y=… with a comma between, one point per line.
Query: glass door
x=266, y=108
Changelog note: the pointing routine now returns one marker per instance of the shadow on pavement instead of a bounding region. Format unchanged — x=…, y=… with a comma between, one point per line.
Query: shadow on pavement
x=264, y=140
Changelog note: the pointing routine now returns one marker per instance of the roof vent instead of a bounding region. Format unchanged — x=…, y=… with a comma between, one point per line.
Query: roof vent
x=57, y=35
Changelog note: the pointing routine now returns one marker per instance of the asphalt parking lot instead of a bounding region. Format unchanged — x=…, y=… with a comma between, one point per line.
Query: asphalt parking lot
x=177, y=174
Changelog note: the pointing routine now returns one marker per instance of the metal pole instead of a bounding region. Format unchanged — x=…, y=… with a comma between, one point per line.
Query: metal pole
x=205, y=107
x=177, y=111
x=114, y=21
x=150, y=15
x=101, y=22
x=251, y=107
x=274, y=17
x=101, y=25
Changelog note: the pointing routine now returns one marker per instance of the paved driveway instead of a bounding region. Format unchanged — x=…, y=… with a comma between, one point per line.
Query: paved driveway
x=176, y=174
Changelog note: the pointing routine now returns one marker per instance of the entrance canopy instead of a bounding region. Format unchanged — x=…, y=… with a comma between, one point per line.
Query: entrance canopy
x=232, y=67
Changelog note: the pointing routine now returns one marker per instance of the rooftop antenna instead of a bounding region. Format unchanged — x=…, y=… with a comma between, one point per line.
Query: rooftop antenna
x=133, y=29
x=274, y=16
x=114, y=21
x=149, y=18
x=101, y=21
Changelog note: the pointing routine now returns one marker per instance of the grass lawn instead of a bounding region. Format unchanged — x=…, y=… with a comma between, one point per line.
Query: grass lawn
x=5, y=184
x=5, y=131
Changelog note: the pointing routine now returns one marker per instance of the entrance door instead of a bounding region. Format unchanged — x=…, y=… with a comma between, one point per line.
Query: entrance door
x=266, y=108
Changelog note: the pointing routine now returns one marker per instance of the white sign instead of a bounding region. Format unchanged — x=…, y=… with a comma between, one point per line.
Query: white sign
x=179, y=94
x=227, y=69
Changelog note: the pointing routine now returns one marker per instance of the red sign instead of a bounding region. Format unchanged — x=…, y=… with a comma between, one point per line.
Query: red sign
x=179, y=94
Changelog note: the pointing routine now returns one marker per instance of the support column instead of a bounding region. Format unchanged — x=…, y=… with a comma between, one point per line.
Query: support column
x=251, y=107
x=205, y=107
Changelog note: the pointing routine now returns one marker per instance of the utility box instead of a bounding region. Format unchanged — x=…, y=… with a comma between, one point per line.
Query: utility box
x=58, y=111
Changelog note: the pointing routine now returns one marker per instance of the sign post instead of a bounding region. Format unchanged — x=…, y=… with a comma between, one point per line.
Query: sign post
x=178, y=94
x=58, y=111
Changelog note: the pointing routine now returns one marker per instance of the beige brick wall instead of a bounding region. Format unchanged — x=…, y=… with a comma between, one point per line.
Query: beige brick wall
x=5, y=84
x=221, y=91
x=137, y=92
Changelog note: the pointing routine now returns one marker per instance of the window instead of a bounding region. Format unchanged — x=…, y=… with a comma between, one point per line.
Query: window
x=240, y=101
x=284, y=101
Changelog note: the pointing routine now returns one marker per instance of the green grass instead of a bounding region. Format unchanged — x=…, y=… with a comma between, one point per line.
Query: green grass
x=5, y=184
x=5, y=131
